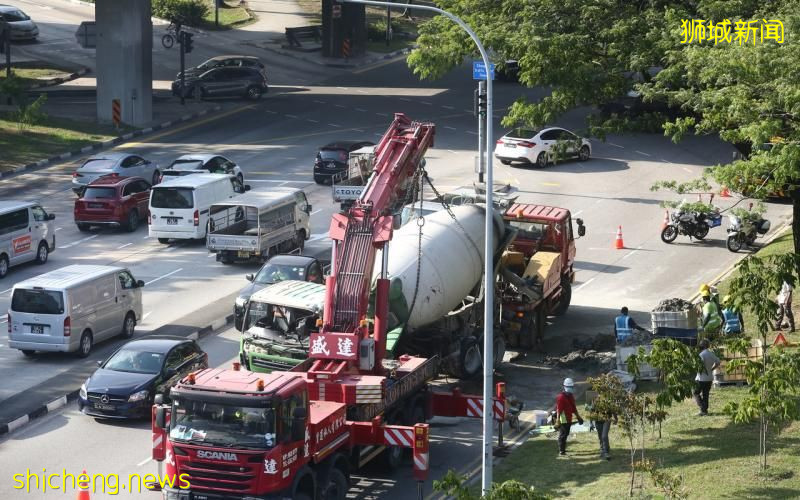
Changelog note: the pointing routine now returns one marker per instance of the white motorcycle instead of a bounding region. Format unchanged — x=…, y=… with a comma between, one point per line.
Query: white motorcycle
x=744, y=231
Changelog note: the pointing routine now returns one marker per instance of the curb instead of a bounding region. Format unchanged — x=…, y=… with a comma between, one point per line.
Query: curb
x=62, y=401
x=360, y=64
x=59, y=81
x=106, y=144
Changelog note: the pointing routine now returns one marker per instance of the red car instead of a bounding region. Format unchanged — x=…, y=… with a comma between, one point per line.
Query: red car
x=113, y=201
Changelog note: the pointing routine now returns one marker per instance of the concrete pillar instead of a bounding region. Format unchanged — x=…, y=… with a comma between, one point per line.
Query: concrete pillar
x=124, y=60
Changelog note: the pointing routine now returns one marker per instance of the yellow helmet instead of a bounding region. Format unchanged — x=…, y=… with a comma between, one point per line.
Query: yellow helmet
x=705, y=288
x=705, y=293
x=726, y=299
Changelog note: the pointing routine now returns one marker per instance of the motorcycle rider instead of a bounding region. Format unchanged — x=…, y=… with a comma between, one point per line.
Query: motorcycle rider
x=711, y=315
x=733, y=322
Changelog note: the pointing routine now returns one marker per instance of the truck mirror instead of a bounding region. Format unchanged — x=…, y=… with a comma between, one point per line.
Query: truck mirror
x=298, y=424
x=397, y=221
x=161, y=417
x=158, y=399
x=581, y=227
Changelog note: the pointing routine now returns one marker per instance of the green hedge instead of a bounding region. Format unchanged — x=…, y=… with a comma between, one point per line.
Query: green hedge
x=188, y=12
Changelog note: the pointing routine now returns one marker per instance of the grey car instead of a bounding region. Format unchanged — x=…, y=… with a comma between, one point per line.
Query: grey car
x=224, y=82
x=226, y=62
x=122, y=164
x=21, y=26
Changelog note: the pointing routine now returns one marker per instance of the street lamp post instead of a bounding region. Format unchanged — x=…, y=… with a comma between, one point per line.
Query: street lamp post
x=488, y=265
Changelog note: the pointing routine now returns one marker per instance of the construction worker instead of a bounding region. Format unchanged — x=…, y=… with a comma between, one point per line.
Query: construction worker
x=711, y=315
x=733, y=322
x=704, y=288
x=624, y=326
x=565, y=409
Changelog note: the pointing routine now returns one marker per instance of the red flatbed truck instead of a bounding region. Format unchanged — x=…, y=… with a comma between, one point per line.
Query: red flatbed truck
x=235, y=434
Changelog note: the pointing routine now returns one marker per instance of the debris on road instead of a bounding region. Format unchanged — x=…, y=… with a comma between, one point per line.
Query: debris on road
x=584, y=360
x=637, y=338
x=673, y=305
x=599, y=342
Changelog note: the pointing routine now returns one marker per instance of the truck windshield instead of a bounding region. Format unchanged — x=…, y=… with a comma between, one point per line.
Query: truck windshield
x=529, y=230
x=222, y=425
x=278, y=320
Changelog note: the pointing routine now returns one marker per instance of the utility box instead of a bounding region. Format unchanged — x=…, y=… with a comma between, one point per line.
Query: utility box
x=344, y=29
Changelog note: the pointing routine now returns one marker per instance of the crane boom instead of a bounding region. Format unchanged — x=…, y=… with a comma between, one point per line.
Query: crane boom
x=357, y=234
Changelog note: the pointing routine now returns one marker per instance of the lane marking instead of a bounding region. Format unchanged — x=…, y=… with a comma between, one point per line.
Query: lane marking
x=404, y=99
x=4, y=291
x=550, y=184
x=615, y=145
x=312, y=121
x=145, y=315
x=70, y=245
x=319, y=102
x=59, y=228
x=271, y=112
x=144, y=461
x=339, y=106
x=334, y=125
x=584, y=284
x=211, y=255
x=123, y=246
x=164, y=276
x=450, y=128
x=633, y=252
x=427, y=103
x=317, y=237
x=640, y=152
x=448, y=107
x=472, y=132
x=291, y=116
x=360, y=110
x=687, y=169
x=382, y=114
x=577, y=213
x=316, y=211
x=452, y=151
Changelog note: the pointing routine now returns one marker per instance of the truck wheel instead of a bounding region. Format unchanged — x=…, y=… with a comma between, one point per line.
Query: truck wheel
x=300, y=240
x=336, y=489
x=471, y=359
x=531, y=329
x=499, y=349
x=163, y=241
x=565, y=299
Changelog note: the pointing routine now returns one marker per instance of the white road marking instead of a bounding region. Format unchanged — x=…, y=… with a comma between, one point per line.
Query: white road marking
x=577, y=213
x=404, y=99
x=123, y=246
x=339, y=106
x=145, y=315
x=427, y=103
x=4, y=319
x=271, y=112
x=452, y=151
x=164, y=276
x=472, y=132
x=583, y=285
x=358, y=130
x=144, y=461
x=4, y=291
x=334, y=125
x=316, y=211
x=450, y=128
x=382, y=114
x=320, y=102
x=448, y=107
x=631, y=253
x=342, y=88
x=211, y=255
x=70, y=245
x=317, y=237
x=291, y=116
x=640, y=152
x=360, y=110
x=59, y=228
x=312, y=121
x=615, y=145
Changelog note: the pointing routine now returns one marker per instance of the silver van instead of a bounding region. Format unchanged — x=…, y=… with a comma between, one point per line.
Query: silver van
x=26, y=233
x=70, y=309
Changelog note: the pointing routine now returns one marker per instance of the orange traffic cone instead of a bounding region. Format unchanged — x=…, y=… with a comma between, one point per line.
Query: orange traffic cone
x=619, y=245
x=725, y=193
x=666, y=220
x=83, y=492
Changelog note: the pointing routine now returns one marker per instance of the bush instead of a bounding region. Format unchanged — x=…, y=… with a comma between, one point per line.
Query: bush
x=187, y=12
x=376, y=31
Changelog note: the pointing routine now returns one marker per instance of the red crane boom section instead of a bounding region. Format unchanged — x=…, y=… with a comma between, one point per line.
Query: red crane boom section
x=357, y=235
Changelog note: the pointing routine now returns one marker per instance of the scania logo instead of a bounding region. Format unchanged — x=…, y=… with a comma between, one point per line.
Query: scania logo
x=217, y=455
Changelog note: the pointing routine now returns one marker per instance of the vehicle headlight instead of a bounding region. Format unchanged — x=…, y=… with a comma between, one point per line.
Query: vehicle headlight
x=82, y=392
x=241, y=301
x=137, y=396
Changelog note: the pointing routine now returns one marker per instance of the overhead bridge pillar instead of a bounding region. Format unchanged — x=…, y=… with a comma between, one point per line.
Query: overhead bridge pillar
x=124, y=60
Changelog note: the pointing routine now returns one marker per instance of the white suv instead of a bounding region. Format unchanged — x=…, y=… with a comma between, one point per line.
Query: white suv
x=539, y=146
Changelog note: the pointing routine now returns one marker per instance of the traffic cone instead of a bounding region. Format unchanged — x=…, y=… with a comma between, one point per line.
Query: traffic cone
x=619, y=245
x=83, y=492
x=666, y=220
x=725, y=193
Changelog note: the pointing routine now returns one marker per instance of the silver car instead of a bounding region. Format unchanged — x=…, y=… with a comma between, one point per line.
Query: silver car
x=122, y=164
x=21, y=26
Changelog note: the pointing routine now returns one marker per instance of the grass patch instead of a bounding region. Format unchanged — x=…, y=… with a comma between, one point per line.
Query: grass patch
x=229, y=17
x=32, y=76
x=716, y=458
x=55, y=136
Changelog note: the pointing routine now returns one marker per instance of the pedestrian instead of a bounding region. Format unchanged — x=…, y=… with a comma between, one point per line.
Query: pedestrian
x=733, y=322
x=703, y=380
x=565, y=409
x=785, y=305
x=624, y=326
x=712, y=317
x=601, y=417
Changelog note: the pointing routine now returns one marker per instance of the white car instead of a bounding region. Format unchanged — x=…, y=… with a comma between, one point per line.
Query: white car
x=203, y=163
x=539, y=146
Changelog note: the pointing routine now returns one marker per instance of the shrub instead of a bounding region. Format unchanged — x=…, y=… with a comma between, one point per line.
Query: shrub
x=187, y=12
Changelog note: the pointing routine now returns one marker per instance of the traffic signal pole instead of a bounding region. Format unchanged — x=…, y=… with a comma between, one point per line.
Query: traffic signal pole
x=181, y=38
x=482, y=143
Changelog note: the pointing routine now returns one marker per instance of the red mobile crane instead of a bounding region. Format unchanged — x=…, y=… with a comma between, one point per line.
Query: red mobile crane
x=236, y=434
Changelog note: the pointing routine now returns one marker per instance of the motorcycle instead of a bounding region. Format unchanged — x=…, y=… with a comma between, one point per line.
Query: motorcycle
x=744, y=231
x=691, y=224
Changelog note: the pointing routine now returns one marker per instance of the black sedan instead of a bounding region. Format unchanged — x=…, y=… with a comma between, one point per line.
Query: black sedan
x=278, y=268
x=126, y=383
x=331, y=161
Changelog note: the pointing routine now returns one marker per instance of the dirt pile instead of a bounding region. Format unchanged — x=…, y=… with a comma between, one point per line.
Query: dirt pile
x=599, y=342
x=637, y=338
x=673, y=305
x=584, y=360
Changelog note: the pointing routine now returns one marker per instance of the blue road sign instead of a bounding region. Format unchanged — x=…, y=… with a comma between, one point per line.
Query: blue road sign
x=479, y=70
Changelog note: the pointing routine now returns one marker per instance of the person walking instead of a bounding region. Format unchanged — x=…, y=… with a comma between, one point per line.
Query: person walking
x=601, y=419
x=703, y=379
x=565, y=409
x=712, y=317
x=785, y=305
x=732, y=320
x=624, y=326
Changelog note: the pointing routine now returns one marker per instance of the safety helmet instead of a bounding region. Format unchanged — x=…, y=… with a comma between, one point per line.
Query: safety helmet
x=726, y=299
x=568, y=382
x=704, y=288
x=705, y=293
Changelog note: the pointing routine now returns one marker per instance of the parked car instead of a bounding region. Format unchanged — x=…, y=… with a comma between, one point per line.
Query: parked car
x=331, y=161
x=126, y=383
x=27, y=232
x=203, y=163
x=539, y=146
x=226, y=62
x=278, y=268
x=122, y=164
x=20, y=24
x=224, y=82
x=113, y=201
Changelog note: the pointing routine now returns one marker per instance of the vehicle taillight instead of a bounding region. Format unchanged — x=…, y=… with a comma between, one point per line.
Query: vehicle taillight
x=499, y=141
x=67, y=327
x=9, y=322
x=526, y=144
x=196, y=218
x=75, y=174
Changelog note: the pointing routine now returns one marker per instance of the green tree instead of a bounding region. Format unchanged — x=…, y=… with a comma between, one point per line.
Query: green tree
x=454, y=486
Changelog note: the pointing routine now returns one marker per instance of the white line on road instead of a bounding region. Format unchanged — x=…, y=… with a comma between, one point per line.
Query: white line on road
x=448, y=107
x=3, y=320
x=123, y=246
x=583, y=285
x=404, y=99
x=144, y=317
x=164, y=276
x=358, y=130
x=59, y=228
x=382, y=114
x=312, y=121
x=577, y=213
x=360, y=110
x=317, y=237
x=450, y=128
x=271, y=112
x=334, y=125
x=4, y=291
x=631, y=253
x=452, y=151
x=640, y=152
x=144, y=461
x=70, y=245
x=427, y=103
x=320, y=102
x=472, y=132
x=291, y=116
x=316, y=211
x=339, y=106
x=615, y=145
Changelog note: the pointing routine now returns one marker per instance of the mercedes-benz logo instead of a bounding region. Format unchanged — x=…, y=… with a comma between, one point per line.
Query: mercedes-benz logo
x=104, y=398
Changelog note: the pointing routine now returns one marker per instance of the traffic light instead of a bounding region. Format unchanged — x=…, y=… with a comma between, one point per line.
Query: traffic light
x=479, y=103
x=187, y=41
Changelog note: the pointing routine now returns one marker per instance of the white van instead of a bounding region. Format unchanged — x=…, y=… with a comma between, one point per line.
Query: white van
x=71, y=308
x=26, y=233
x=179, y=206
x=259, y=224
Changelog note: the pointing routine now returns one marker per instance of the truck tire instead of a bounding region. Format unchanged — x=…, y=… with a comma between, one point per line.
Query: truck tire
x=470, y=360
x=336, y=488
x=565, y=299
x=498, y=349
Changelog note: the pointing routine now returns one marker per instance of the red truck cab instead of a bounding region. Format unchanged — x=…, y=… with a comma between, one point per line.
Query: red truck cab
x=113, y=201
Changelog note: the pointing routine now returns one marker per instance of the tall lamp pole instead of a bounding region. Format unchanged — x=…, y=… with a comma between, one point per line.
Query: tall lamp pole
x=488, y=265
